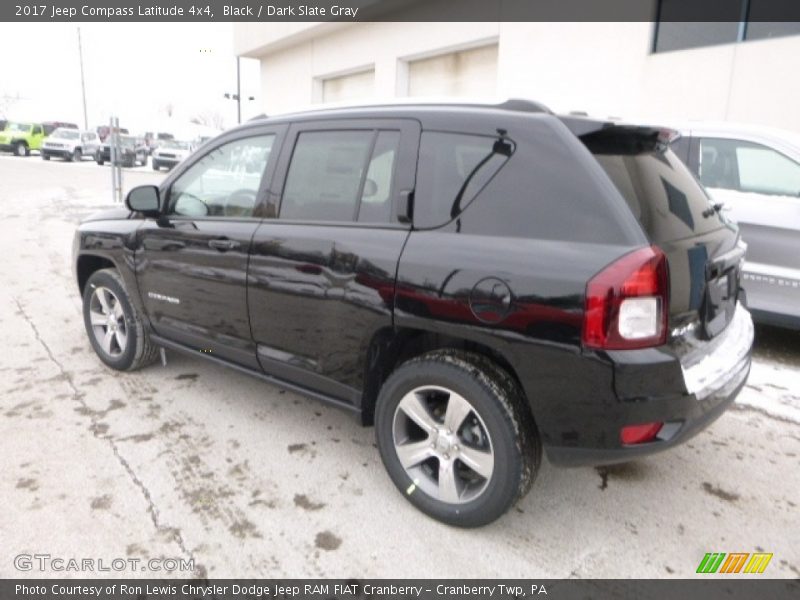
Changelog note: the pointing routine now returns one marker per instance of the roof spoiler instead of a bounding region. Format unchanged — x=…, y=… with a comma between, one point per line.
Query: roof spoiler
x=581, y=127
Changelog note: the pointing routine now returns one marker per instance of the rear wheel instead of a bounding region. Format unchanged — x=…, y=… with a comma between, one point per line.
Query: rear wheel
x=115, y=329
x=156, y=165
x=456, y=437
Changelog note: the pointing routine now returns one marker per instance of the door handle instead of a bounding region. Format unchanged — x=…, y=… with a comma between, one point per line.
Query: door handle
x=224, y=245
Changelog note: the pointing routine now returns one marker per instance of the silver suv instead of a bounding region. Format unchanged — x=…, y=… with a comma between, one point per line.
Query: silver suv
x=753, y=174
x=70, y=144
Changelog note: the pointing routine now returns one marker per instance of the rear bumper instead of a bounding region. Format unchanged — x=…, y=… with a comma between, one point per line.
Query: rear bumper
x=713, y=373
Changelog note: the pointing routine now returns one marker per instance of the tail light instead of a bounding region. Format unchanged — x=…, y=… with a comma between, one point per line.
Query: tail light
x=626, y=303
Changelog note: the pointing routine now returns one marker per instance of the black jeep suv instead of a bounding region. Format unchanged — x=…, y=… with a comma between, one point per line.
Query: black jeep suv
x=478, y=282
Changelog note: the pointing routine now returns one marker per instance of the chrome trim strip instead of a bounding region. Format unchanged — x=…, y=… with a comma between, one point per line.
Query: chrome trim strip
x=752, y=270
x=723, y=358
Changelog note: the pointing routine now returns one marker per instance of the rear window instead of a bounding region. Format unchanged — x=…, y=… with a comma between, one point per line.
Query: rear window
x=662, y=193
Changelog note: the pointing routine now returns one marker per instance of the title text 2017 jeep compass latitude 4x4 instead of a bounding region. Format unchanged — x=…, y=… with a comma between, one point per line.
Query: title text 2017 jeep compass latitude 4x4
x=480, y=282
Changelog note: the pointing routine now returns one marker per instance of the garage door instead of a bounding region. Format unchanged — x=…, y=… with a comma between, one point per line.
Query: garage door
x=346, y=88
x=470, y=72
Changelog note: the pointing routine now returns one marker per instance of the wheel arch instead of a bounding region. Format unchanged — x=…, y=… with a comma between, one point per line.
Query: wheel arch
x=88, y=264
x=392, y=346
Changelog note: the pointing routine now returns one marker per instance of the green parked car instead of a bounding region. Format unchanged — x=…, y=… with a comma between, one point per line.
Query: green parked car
x=21, y=138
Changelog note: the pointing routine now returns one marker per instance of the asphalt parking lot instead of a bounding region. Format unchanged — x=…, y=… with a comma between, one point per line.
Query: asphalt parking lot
x=197, y=462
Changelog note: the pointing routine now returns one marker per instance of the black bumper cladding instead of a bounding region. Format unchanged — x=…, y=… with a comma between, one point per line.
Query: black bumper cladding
x=713, y=374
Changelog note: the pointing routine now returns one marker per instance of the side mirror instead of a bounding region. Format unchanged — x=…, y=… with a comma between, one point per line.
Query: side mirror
x=145, y=199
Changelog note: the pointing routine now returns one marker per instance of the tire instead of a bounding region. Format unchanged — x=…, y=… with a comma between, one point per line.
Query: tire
x=98, y=158
x=45, y=156
x=113, y=325
x=77, y=155
x=21, y=149
x=495, y=434
x=156, y=165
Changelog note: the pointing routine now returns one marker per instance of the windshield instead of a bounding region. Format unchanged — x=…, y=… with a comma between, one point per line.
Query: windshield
x=175, y=145
x=66, y=134
x=21, y=127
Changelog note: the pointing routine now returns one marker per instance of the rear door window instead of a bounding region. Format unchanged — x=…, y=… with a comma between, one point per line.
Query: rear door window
x=337, y=175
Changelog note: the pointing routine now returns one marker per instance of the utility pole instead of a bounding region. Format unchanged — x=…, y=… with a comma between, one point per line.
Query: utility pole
x=83, y=83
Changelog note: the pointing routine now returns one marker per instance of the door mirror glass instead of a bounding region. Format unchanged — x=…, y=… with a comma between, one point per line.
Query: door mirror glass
x=144, y=199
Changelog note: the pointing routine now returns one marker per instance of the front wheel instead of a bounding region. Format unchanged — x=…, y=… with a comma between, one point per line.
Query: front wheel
x=156, y=165
x=456, y=437
x=77, y=155
x=21, y=149
x=115, y=329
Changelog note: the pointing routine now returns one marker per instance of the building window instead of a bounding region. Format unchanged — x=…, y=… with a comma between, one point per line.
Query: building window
x=765, y=30
x=681, y=26
x=346, y=88
x=681, y=36
x=470, y=72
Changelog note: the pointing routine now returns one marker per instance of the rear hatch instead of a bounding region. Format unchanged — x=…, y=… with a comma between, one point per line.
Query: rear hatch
x=703, y=248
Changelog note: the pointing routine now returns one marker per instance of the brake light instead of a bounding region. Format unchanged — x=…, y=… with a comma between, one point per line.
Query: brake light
x=626, y=303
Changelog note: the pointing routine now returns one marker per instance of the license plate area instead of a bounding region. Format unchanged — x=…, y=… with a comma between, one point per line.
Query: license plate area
x=719, y=303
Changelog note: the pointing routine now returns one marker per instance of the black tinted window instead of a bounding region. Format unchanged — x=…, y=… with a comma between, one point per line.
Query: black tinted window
x=325, y=175
x=452, y=169
x=661, y=192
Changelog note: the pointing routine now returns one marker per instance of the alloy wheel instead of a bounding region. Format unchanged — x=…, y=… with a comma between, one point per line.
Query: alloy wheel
x=108, y=322
x=443, y=444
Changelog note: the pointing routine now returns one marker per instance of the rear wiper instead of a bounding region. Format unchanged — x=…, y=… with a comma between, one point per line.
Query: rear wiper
x=501, y=146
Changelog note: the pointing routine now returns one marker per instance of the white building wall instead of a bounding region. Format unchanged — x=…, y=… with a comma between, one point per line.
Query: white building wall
x=606, y=69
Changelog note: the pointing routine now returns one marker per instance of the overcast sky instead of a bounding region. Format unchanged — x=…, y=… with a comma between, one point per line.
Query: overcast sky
x=133, y=70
